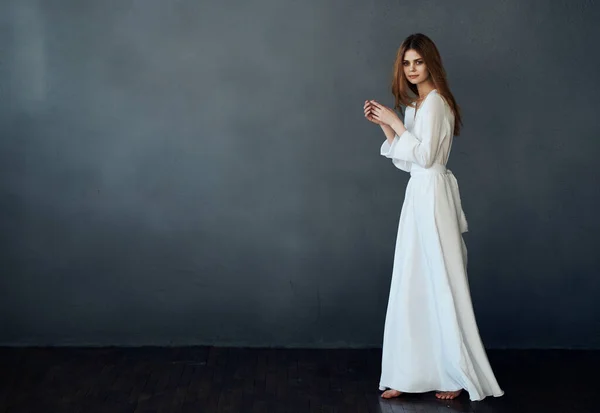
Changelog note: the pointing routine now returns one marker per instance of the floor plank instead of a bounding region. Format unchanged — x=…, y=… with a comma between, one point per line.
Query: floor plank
x=237, y=380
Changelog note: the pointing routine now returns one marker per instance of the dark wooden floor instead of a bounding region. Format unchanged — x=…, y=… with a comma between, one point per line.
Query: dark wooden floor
x=207, y=379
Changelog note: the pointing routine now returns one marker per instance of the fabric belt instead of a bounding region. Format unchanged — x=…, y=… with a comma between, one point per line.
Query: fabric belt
x=436, y=168
x=442, y=170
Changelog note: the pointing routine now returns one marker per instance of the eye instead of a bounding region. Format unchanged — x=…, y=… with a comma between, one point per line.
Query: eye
x=420, y=62
x=405, y=63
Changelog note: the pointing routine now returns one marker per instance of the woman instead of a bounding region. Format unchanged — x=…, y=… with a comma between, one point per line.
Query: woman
x=431, y=341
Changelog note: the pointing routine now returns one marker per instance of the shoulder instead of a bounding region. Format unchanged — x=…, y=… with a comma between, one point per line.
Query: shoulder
x=436, y=102
x=435, y=99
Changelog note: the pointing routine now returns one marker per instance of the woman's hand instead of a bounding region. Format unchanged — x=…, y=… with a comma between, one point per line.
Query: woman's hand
x=369, y=113
x=383, y=114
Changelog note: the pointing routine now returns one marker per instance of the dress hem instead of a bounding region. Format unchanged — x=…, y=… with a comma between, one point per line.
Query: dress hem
x=384, y=388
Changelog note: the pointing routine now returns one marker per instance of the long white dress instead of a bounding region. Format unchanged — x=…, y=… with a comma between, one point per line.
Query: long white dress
x=431, y=340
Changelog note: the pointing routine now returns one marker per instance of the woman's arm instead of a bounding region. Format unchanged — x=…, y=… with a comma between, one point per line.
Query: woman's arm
x=397, y=129
x=388, y=120
x=389, y=132
x=407, y=146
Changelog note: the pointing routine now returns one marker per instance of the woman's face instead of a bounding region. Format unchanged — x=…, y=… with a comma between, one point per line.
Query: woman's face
x=415, y=68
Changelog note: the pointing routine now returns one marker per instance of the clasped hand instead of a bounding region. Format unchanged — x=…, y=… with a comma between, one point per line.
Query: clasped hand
x=379, y=114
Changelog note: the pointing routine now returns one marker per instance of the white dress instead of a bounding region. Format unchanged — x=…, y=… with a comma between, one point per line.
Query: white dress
x=431, y=340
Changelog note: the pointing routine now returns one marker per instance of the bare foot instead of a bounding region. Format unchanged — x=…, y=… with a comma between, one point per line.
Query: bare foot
x=388, y=394
x=446, y=395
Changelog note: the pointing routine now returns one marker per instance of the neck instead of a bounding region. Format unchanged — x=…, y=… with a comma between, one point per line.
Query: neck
x=425, y=87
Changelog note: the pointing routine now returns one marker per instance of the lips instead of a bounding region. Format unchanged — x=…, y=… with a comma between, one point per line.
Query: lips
x=413, y=76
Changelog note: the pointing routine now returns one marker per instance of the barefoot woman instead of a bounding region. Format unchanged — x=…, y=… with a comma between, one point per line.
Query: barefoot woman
x=431, y=341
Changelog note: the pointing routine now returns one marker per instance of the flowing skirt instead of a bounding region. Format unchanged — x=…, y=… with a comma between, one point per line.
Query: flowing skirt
x=431, y=340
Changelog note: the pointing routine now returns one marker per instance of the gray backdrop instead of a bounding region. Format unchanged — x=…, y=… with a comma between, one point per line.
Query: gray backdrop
x=195, y=172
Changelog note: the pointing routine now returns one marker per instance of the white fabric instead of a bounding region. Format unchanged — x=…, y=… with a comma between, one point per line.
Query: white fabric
x=431, y=340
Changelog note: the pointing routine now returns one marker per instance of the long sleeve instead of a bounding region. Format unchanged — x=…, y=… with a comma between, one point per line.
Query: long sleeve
x=422, y=150
x=387, y=150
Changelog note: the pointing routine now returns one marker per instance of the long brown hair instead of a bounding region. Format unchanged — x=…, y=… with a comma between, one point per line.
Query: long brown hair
x=424, y=46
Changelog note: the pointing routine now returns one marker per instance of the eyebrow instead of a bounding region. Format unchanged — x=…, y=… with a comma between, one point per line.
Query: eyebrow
x=420, y=58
